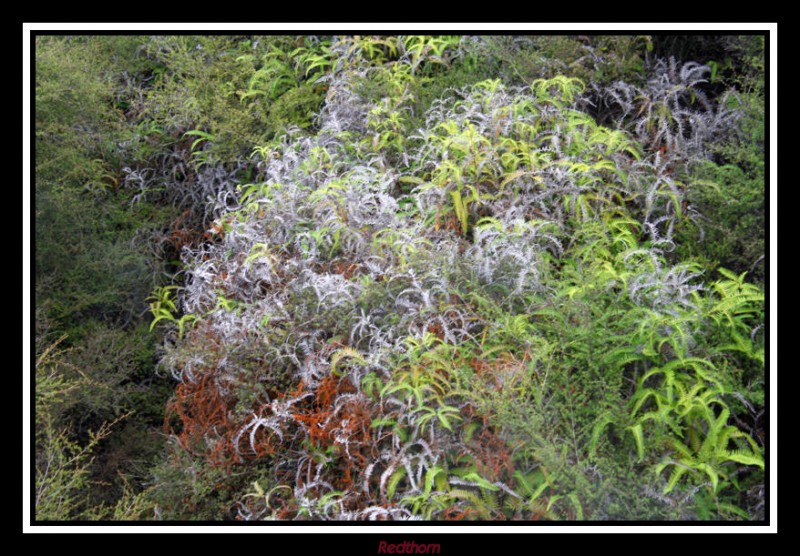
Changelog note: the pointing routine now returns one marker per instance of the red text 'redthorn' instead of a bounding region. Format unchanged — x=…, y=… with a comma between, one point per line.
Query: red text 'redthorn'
x=408, y=547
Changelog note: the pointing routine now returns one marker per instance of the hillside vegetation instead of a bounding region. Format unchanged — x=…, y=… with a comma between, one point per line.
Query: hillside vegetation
x=400, y=277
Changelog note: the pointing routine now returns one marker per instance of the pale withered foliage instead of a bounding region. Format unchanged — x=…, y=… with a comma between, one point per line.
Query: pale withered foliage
x=671, y=112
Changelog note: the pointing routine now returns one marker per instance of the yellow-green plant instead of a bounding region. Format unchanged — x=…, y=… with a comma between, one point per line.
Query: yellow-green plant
x=163, y=307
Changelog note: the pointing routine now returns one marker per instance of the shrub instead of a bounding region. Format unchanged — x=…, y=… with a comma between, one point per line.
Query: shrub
x=475, y=321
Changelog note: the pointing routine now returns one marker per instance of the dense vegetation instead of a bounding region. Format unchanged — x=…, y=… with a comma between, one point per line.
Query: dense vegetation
x=399, y=277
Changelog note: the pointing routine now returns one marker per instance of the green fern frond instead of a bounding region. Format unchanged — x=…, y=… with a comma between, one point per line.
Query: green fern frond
x=394, y=480
x=678, y=471
x=735, y=510
x=638, y=436
x=745, y=457
x=712, y=474
x=600, y=425
x=559, y=90
x=348, y=352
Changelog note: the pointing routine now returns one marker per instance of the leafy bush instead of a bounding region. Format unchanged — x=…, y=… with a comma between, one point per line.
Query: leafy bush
x=473, y=321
